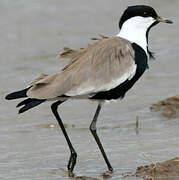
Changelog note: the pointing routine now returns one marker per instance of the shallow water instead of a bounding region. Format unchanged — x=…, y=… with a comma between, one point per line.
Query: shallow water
x=32, y=145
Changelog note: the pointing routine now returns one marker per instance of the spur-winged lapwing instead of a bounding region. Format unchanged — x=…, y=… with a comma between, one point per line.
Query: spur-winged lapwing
x=105, y=70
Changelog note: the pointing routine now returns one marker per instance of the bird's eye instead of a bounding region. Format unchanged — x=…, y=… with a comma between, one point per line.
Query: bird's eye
x=144, y=14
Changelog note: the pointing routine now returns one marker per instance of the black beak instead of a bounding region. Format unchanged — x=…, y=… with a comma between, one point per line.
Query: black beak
x=160, y=19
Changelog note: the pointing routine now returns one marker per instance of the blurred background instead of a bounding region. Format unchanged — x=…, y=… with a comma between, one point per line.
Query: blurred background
x=32, y=34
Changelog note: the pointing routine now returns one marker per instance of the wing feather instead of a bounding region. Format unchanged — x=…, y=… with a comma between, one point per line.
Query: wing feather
x=101, y=67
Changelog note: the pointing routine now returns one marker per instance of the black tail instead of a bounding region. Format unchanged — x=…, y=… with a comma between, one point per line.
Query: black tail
x=17, y=94
x=29, y=103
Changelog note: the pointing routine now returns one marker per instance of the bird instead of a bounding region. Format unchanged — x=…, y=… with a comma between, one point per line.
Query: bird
x=102, y=71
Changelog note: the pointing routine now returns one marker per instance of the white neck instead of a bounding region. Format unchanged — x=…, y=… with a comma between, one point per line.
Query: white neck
x=135, y=29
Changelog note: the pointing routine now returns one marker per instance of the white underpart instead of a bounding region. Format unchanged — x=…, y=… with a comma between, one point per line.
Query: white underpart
x=88, y=88
x=134, y=30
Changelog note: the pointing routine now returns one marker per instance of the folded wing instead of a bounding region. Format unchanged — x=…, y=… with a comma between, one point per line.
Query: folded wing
x=99, y=67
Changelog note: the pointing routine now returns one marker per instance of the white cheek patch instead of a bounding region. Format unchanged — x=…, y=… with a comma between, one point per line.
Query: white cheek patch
x=134, y=30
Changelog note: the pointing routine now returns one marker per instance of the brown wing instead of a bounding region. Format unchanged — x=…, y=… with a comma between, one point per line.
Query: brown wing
x=73, y=55
x=38, y=79
x=103, y=66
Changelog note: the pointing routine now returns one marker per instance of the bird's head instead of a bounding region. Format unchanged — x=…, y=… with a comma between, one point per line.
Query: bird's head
x=136, y=22
x=141, y=16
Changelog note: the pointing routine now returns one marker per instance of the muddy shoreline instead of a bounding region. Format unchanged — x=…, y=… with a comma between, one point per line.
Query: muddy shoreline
x=168, y=107
x=166, y=170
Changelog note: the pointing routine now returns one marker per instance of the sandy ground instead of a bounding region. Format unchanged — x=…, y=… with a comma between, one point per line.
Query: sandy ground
x=168, y=108
x=160, y=170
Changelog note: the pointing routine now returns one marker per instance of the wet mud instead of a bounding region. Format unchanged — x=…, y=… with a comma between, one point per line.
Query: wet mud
x=85, y=178
x=169, y=107
x=167, y=170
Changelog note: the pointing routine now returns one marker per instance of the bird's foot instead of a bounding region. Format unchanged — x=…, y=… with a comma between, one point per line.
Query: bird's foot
x=71, y=163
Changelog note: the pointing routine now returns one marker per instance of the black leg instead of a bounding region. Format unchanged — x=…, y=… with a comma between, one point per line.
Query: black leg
x=72, y=160
x=94, y=132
